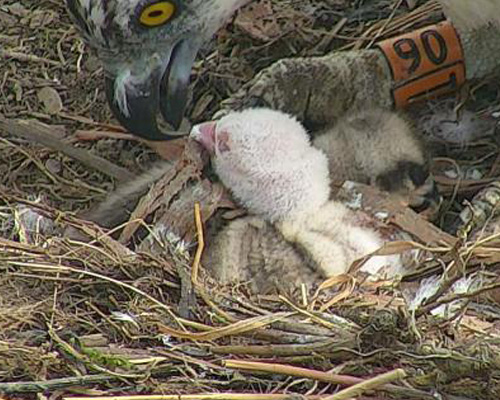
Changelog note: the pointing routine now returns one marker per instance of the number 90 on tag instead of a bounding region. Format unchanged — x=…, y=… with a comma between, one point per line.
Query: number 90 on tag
x=424, y=63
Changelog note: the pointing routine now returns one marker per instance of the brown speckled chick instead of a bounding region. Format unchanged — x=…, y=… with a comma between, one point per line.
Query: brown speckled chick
x=380, y=148
x=253, y=251
x=267, y=161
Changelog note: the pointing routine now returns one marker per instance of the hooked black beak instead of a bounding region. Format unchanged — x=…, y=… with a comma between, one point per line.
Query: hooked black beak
x=161, y=91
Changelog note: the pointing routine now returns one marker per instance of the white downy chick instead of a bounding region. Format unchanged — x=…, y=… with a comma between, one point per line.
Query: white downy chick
x=335, y=236
x=380, y=148
x=266, y=159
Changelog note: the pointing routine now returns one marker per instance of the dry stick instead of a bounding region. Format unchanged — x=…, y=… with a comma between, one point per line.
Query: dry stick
x=202, y=396
x=91, y=135
x=285, y=350
x=28, y=58
x=369, y=384
x=459, y=296
x=89, y=121
x=292, y=371
x=53, y=384
x=322, y=376
x=42, y=135
x=110, y=130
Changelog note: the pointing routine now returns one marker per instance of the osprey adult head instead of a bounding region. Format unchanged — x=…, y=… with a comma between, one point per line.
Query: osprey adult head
x=147, y=48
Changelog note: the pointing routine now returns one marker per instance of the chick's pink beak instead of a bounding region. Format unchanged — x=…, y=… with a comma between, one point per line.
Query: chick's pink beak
x=204, y=134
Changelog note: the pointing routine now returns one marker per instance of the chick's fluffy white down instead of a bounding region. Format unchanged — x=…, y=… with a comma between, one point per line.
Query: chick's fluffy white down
x=269, y=164
x=334, y=237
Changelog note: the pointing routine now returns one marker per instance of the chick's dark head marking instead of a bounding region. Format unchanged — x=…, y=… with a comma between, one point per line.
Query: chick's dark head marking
x=266, y=159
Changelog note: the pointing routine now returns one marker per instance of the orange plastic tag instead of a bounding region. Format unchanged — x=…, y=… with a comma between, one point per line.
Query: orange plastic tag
x=424, y=63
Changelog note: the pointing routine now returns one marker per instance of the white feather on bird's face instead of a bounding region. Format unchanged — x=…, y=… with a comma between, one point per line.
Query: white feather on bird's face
x=265, y=158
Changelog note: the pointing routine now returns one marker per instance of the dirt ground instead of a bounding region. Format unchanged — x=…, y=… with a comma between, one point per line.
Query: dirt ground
x=100, y=320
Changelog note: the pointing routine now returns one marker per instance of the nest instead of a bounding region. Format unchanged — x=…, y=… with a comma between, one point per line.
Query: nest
x=107, y=319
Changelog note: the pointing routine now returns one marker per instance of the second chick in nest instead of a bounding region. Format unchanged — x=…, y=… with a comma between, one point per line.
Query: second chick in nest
x=267, y=161
x=380, y=148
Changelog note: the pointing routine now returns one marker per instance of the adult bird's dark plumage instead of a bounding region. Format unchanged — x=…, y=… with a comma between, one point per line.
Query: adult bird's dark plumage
x=148, y=48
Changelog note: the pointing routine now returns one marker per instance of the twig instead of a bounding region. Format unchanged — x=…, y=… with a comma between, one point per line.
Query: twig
x=41, y=134
x=53, y=384
x=458, y=296
x=28, y=58
x=201, y=243
x=292, y=371
x=89, y=121
x=284, y=350
x=322, y=376
x=201, y=396
x=369, y=384
x=91, y=135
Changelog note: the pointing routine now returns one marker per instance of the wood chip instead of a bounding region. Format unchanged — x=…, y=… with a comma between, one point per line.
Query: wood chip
x=50, y=100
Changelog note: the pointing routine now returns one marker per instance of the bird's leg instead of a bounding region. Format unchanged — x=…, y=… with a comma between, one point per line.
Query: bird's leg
x=318, y=90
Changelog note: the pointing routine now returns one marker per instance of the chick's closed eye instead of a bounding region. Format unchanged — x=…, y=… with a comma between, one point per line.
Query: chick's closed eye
x=222, y=142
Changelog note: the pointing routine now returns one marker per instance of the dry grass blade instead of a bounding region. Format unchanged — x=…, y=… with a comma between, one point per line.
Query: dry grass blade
x=201, y=243
x=368, y=384
x=344, y=294
x=234, y=329
x=394, y=26
x=309, y=314
x=63, y=269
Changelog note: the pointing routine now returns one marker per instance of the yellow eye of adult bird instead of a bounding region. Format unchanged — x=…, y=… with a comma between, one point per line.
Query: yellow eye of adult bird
x=157, y=14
